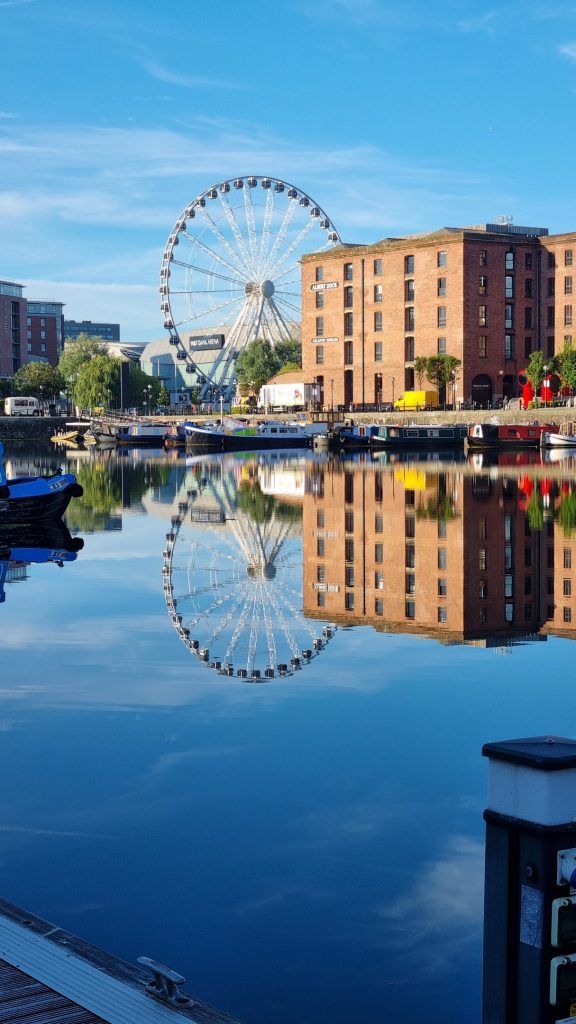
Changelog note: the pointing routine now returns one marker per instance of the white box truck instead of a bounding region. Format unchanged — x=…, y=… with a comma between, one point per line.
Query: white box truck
x=278, y=397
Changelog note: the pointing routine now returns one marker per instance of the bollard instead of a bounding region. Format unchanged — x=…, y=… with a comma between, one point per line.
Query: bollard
x=529, y=974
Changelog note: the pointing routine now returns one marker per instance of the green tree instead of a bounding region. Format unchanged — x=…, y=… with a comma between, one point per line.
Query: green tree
x=435, y=371
x=289, y=368
x=535, y=369
x=289, y=352
x=97, y=383
x=77, y=352
x=256, y=365
x=163, y=396
x=38, y=379
x=139, y=384
x=567, y=366
x=441, y=371
x=420, y=367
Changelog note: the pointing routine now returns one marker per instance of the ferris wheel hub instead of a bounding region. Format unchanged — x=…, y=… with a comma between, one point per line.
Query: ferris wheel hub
x=266, y=289
x=261, y=571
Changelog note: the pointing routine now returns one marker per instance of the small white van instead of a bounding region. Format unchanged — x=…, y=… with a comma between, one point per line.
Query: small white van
x=21, y=406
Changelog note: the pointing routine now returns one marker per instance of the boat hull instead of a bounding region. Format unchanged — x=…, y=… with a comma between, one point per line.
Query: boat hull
x=419, y=438
x=246, y=438
x=243, y=442
x=490, y=435
x=37, y=498
x=554, y=440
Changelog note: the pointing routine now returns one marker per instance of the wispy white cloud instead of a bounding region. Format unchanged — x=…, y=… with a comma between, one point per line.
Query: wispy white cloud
x=16, y=3
x=484, y=22
x=568, y=50
x=172, y=77
x=446, y=898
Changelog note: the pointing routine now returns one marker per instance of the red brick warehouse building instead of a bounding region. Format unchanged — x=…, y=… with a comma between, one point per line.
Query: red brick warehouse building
x=488, y=295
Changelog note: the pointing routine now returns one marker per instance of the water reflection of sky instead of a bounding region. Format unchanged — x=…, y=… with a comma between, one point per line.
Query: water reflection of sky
x=309, y=850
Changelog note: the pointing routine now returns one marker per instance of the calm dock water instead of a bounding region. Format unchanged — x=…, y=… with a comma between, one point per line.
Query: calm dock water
x=306, y=845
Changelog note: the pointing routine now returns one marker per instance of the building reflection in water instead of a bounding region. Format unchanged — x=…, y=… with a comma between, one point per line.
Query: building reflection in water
x=480, y=557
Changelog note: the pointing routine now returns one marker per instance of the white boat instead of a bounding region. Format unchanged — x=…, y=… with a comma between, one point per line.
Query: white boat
x=551, y=439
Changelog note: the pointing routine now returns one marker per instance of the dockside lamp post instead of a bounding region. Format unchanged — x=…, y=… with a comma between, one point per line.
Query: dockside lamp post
x=530, y=882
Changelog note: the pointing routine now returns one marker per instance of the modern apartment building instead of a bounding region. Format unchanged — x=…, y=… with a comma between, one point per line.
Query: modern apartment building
x=108, y=332
x=12, y=327
x=44, y=330
x=30, y=329
x=488, y=295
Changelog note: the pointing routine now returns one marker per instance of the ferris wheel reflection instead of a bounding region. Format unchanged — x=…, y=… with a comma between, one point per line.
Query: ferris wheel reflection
x=232, y=569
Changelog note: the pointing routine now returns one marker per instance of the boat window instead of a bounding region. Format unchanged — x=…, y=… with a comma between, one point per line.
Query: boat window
x=411, y=432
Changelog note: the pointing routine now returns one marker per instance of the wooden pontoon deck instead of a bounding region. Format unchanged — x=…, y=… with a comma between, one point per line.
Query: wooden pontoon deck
x=48, y=974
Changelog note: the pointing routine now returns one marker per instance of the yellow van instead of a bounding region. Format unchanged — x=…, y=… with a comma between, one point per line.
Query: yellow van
x=411, y=401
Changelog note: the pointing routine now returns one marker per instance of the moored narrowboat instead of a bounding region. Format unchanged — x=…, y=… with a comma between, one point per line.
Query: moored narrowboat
x=507, y=435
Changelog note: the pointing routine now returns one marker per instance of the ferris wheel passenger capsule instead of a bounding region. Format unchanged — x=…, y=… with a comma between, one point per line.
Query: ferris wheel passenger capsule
x=242, y=673
x=212, y=194
x=224, y=187
x=269, y=673
x=332, y=237
x=266, y=183
x=238, y=183
x=201, y=201
x=314, y=212
x=292, y=193
x=325, y=223
x=252, y=182
x=173, y=339
x=304, y=201
x=279, y=186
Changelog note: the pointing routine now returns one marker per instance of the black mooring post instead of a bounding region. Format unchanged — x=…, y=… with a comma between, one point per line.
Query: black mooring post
x=530, y=882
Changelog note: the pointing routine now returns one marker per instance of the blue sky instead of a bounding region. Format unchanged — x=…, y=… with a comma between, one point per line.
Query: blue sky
x=394, y=117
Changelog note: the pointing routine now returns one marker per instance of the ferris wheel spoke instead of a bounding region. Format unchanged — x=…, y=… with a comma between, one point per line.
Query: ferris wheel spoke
x=281, y=236
x=294, y=245
x=253, y=638
x=285, y=626
x=288, y=270
x=249, y=211
x=215, y=255
x=236, y=257
x=239, y=628
x=285, y=332
x=198, y=316
x=265, y=236
x=271, y=643
x=234, y=341
x=208, y=273
x=235, y=227
x=287, y=305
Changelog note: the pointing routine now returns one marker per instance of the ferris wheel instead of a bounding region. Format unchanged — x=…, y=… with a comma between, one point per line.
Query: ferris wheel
x=230, y=272
x=233, y=587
